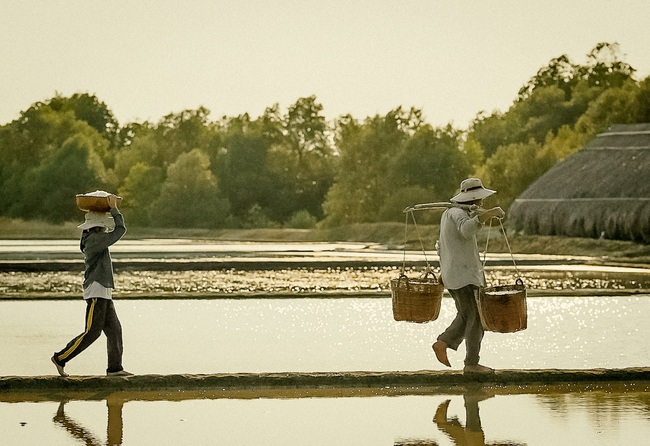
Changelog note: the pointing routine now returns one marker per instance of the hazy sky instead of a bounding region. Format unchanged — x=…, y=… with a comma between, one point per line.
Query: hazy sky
x=451, y=58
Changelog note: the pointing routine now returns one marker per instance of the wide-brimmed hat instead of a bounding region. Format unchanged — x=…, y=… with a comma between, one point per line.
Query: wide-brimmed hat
x=472, y=189
x=94, y=219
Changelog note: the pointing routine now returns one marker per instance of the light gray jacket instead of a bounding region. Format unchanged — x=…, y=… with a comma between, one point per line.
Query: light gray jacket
x=460, y=263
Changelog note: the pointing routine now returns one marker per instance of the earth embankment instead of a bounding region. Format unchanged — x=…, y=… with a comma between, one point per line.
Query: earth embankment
x=315, y=380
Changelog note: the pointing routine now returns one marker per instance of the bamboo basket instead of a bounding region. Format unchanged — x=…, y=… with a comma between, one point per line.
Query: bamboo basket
x=503, y=308
x=95, y=201
x=416, y=300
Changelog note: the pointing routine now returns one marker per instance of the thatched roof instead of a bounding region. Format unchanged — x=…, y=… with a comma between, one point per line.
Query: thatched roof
x=601, y=190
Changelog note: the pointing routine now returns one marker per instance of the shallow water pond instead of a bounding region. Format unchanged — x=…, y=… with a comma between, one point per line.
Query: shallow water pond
x=314, y=334
x=258, y=335
x=607, y=414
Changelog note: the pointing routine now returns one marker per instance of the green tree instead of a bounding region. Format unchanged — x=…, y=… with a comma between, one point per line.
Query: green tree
x=143, y=149
x=243, y=170
x=544, y=111
x=39, y=136
x=402, y=197
x=490, y=132
x=431, y=158
x=614, y=106
x=140, y=190
x=301, y=159
x=605, y=67
x=131, y=131
x=179, y=133
x=513, y=168
x=557, y=95
x=560, y=73
x=367, y=151
x=190, y=197
x=565, y=143
x=305, y=128
x=160, y=144
x=90, y=109
x=48, y=190
x=642, y=106
x=429, y=166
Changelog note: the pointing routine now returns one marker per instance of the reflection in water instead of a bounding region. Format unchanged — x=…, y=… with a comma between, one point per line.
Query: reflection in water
x=114, y=425
x=416, y=443
x=536, y=415
x=469, y=435
x=472, y=433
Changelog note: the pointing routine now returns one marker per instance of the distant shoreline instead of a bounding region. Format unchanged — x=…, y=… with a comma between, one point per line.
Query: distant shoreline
x=389, y=235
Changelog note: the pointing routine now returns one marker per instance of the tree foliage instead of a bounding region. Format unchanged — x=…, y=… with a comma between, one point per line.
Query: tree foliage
x=560, y=109
x=366, y=151
x=189, y=196
x=294, y=168
x=513, y=167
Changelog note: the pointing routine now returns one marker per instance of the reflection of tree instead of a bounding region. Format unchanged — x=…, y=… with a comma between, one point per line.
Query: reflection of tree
x=608, y=403
x=114, y=424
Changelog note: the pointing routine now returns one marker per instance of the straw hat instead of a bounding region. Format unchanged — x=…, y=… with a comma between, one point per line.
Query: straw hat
x=94, y=219
x=472, y=189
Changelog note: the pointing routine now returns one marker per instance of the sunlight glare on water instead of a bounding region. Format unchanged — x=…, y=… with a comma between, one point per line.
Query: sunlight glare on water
x=313, y=334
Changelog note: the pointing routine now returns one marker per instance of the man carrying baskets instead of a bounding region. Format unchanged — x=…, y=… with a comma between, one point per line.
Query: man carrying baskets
x=462, y=271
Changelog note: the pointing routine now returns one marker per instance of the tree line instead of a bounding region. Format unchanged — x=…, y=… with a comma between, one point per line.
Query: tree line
x=293, y=168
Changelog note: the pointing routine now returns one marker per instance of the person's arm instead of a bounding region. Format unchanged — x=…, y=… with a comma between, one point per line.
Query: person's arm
x=120, y=227
x=99, y=241
x=495, y=212
x=467, y=226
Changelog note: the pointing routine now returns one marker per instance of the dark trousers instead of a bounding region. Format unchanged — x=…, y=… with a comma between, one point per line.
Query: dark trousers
x=467, y=324
x=100, y=317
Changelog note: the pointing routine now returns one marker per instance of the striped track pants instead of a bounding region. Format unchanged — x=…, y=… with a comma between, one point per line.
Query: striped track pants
x=100, y=317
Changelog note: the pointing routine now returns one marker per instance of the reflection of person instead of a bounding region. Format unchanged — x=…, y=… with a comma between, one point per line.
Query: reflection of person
x=469, y=435
x=472, y=433
x=97, y=290
x=462, y=271
x=114, y=425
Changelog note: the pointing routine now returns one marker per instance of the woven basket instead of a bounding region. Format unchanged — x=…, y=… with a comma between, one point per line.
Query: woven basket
x=416, y=300
x=94, y=203
x=503, y=308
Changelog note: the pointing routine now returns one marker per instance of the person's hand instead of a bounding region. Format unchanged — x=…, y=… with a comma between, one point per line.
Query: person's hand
x=498, y=212
x=112, y=201
x=495, y=212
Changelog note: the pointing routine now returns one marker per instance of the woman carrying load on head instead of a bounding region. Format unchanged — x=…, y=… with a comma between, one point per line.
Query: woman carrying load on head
x=462, y=271
x=98, y=290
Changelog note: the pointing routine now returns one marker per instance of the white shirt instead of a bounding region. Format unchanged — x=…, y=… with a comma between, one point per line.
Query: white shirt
x=460, y=263
x=97, y=290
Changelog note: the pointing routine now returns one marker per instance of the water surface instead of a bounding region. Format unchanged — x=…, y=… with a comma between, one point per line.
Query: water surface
x=313, y=334
x=607, y=414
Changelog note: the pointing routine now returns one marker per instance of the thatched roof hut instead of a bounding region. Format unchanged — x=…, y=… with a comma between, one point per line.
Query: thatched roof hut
x=602, y=190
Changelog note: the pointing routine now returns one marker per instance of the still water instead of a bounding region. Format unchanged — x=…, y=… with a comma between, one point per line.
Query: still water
x=584, y=415
x=314, y=334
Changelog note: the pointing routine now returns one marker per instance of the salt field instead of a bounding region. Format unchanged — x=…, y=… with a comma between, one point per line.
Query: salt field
x=332, y=319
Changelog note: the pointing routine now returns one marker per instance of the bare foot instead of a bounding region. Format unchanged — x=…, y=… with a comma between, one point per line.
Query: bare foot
x=440, y=349
x=477, y=369
x=59, y=367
